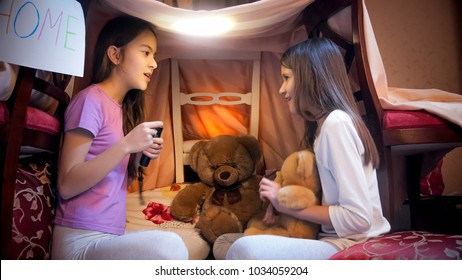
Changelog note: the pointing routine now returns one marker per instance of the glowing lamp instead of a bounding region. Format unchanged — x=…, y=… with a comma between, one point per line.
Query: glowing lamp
x=205, y=26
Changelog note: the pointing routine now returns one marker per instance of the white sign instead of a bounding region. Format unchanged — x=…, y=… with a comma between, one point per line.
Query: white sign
x=43, y=34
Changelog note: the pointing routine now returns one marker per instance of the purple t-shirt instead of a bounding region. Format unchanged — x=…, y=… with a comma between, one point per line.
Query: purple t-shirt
x=102, y=207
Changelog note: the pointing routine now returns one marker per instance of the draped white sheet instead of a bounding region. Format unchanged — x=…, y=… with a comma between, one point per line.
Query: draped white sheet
x=257, y=19
x=442, y=103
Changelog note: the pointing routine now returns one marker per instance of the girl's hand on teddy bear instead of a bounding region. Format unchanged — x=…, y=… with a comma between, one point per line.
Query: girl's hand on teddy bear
x=269, y=190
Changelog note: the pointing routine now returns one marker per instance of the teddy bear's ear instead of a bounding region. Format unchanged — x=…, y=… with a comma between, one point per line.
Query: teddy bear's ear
x=194, y=154
x=252, y=145
x=278, y=178
x=305, y=163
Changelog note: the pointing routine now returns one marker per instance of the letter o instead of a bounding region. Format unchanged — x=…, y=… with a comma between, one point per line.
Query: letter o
x=16, y=18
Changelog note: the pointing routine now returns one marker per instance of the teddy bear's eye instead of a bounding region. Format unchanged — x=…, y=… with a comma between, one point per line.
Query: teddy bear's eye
x=216, y=166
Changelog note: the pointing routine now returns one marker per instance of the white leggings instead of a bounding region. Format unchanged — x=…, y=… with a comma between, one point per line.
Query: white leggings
x=234, y=246
x=71, y=243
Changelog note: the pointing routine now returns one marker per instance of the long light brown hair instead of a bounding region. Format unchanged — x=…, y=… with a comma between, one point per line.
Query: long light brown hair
x=321, y=81
x=119, y=32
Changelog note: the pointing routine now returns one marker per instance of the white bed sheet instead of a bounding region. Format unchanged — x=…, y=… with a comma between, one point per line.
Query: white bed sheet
x=198, y=248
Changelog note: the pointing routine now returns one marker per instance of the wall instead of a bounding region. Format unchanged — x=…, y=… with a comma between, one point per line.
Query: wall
x=421, y=46
x=420, y=42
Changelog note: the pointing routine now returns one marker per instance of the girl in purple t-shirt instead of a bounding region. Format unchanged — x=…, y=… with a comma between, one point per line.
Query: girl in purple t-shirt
x=103, y=134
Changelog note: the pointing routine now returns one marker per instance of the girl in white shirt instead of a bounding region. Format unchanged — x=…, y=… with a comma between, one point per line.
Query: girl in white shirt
x=316, y=86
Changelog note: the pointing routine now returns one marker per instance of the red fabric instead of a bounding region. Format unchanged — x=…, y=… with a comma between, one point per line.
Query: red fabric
x=406, y=245
x=432, y=183
x=39, y=120
x=35, y=119
x=157, y=213
x=3, y=113
x=410, y=119
x=33, y=211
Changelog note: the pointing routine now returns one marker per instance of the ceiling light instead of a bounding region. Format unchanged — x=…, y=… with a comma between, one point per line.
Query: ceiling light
x=207, y=26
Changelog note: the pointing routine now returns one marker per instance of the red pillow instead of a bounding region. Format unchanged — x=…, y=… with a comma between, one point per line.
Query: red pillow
x=406, y=245
x=35, y=119
x=39, y=120
x=432, y=183
x=33, y=210
x=4, y=118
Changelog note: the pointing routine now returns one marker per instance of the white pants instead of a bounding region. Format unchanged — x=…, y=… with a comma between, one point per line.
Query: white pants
x=69, y=243
x=235, y=246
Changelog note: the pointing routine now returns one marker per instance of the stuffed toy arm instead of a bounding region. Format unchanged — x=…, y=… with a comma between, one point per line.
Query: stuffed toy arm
x=187, y=202
x=296, y=197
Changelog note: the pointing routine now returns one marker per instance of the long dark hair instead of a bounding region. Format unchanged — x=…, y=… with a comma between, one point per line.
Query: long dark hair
x=321, y=81
x=119, y=32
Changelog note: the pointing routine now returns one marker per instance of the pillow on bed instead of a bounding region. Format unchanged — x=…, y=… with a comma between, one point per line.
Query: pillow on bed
x=406, y=245
x=33, y=209
x=154, y=213
x=432, y=183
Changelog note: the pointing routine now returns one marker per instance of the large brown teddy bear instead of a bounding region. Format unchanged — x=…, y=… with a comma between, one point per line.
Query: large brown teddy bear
x=227, y=195
x=300, y=188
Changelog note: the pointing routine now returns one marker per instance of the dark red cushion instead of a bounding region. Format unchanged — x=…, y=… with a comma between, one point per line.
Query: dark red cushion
x=406, y=245
x=3, y=113
x=33, y=210
x=393, y=119
x=39, y=120
x=35, y=119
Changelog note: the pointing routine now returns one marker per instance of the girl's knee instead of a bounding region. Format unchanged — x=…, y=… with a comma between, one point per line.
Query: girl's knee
x=163, y=245
x=241, y=249
x=173, y=246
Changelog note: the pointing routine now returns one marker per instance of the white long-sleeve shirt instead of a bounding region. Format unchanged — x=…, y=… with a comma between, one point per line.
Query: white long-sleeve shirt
x=349, y=187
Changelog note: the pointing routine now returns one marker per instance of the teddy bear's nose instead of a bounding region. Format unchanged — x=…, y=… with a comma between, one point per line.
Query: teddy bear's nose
x=226, y=176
